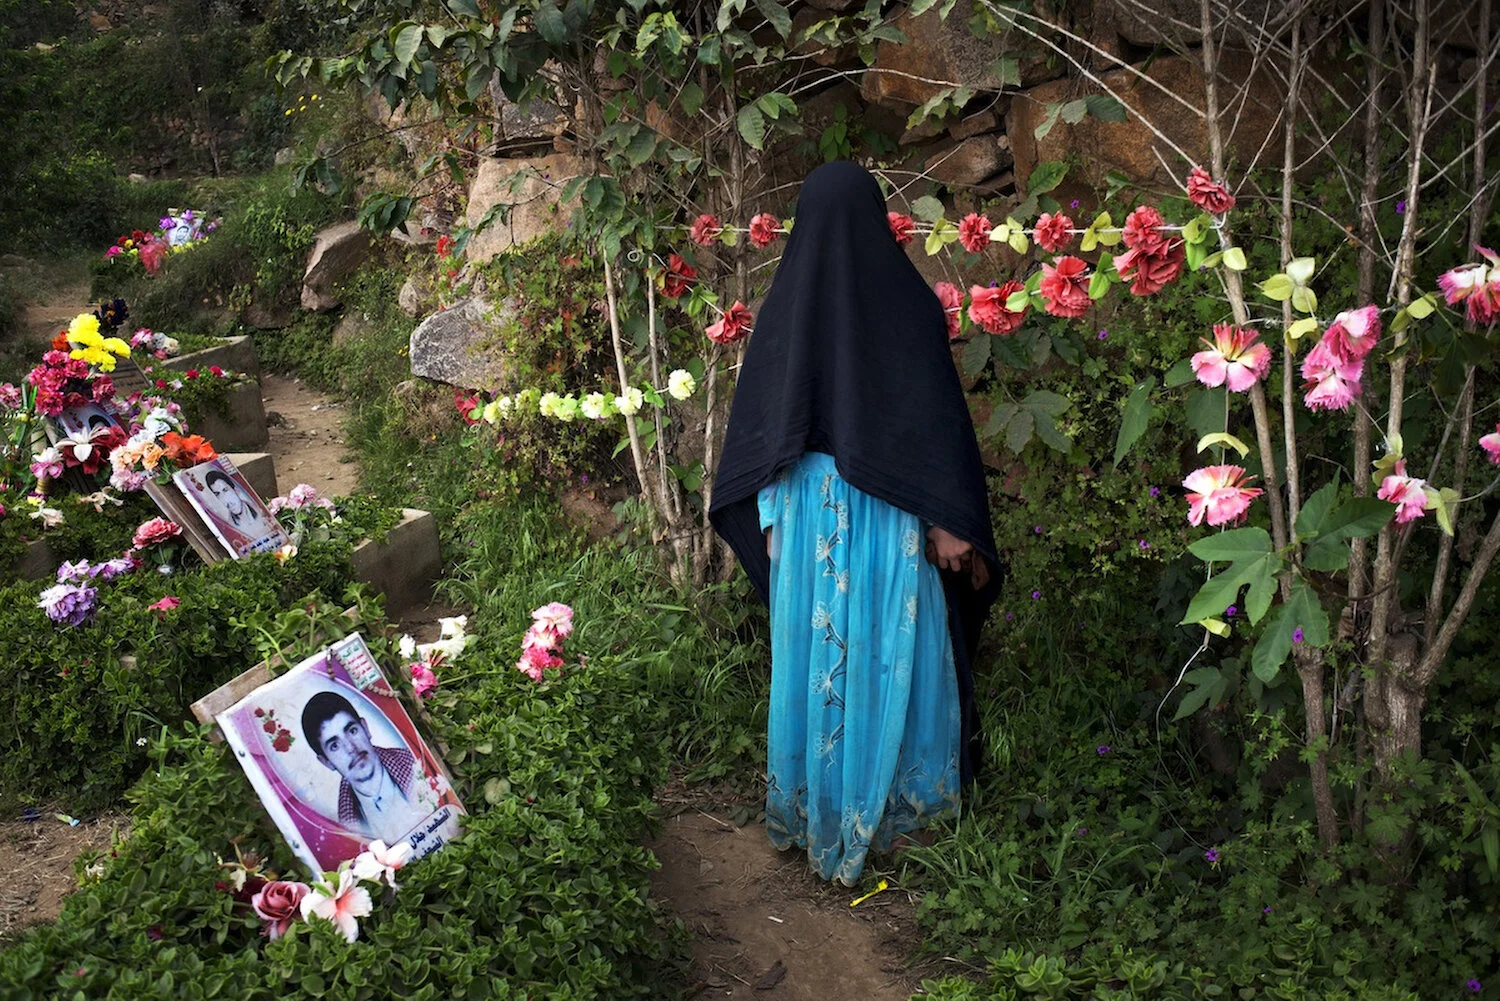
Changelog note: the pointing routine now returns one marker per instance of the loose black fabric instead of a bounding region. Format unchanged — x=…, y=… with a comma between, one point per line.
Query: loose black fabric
x=850, y=357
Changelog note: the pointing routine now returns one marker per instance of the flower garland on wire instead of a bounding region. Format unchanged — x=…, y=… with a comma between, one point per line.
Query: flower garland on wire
x=596, y=406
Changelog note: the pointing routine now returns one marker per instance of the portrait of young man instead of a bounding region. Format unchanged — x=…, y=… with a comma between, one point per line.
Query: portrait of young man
x=377, y=794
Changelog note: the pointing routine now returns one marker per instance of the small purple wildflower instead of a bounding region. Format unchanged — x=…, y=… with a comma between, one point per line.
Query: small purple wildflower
x=1297, y=635
x=994, y=284
x=1073, y=204
x=1474, y=986
x=1231, y=611
x=1266, y=909
x=1036, y=595
x=1102, y=750
x=1212, y=855
x=1155, y=492
x=583, y=478
x=1037, y=529
x=1103, y=335
x=1083, y=831
x=1401, y=207
x=1143, y=544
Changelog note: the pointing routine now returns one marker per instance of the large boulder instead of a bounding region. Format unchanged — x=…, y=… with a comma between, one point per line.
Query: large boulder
x=461, y=345
x=970, y=163
x=337, y=253
x=1130, y=147
x=532, y=188
x=1178, y=22
x=946, y=51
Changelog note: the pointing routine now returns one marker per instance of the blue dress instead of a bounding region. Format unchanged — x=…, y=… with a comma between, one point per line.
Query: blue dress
x=864, y=723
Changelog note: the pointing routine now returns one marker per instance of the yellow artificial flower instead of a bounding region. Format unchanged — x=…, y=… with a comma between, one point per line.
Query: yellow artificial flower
x=116, y=345
x=84, y=330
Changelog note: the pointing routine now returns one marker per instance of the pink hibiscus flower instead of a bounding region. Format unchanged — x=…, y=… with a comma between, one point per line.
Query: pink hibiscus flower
x=974, y=232
x=1053, y=232
x=952, y=298
x=1330, y=383
x=1218, y=495
x=1406, y=492
x=1235, y=357
x=987, y=307
x=1353, y=333
x=1208, y=194
x=1065, y=286
x=903, y=228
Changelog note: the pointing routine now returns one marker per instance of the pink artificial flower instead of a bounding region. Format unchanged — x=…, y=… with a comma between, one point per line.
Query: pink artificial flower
x=1208, y=194
x=277, y=905
x=677, y=277
x=733, y=326
x=536, y=659
x=154, y=532
x=343, y=904
x=554, y=617
x=1053, y=232
x=47, y=465
x=952, y=298
x=422, y=679
x=191, y=373
x=540, y=636
x=216, y=371
x=1218, y=495
x=903, y=228
x=1234, y=356
x=10, y=397
x=705, y=229
x=974, y=232
x=1353, y=333
x=1406, y=492
x=165, y=605
x=764, y=230
x=987, y=307
x=1142, y=230
x=1491, y=445
x=1477, y=285
x=1065, y=286
x=1151, y=267
x=1329, y=382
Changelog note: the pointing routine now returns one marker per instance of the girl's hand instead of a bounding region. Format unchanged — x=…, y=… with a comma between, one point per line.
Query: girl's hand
x=768, y=542
x=947, y=550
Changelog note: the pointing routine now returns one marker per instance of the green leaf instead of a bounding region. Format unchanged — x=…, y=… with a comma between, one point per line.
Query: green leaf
x=641, y=148
x=1357, y=518
x=920, y=7
x=1179, y=375
x=1017, y=301
x=1197, y=253
x=405, y=40
x=1051, y=434
x=1252, y=561
x=1300, y=269
x=752, y=126
x=927, y=208
x=976, y=354
x=1046, y=176
x=1304, y=300
x=1205, y=410
x=690, y=99
x=999, y=418
x=1074, y=112
x=1234, y=259
x=1006, y=69
x=1105, y=108
x=1208, y=687
x=1278, y=287
x=1315, y=511
x=1136, y=419
x=1444, y=502
x=779, y=16
x=1422, y=308
x=1047, y=402
x=1018, y=431
x=1302, y=611
x=1223, y=438
x=550, y=24
x=1303, y=327
x=1045, y=126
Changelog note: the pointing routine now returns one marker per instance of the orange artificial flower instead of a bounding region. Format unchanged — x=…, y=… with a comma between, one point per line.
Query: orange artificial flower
x=187, y=451
x=60, y=342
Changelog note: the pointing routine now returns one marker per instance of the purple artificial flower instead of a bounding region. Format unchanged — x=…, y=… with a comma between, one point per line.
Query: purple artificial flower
x=1102, y=750
x=1212, y=855
x=1297, y=635
x=1083, y=830
x=110, y=569
x=68, y=604
x=73, y=573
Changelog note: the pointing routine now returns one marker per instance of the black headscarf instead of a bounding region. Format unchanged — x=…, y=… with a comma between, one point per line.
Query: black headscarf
x=850, y=357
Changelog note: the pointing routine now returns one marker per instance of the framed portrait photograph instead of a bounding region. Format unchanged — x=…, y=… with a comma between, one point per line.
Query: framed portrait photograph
x=81, y=423
x=230, y=508
x=338, y=762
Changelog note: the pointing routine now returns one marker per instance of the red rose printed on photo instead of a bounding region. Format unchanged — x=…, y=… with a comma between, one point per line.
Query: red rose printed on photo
x=974, y=232
x=987, y=307
x=903, y=228
x=764, y=230
x=1065, y=286
x=1053, y=232
x=1208, y=194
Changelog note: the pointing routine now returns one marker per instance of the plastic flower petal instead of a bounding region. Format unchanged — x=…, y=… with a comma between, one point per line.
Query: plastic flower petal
x=903, y=228
x=974, y=232
x=678, y=277
x=422, y=679
x=1053, y=231
x=555, y=617
x=764, y=229
x=1218, y=495
x=1407, y=492
x=343, y=903
x=987, y=307
x=681, y=384
x=379, y=862
x=952, y=298
x=1353, y=333
x=705, y=229
x=1235, y=356
x=630, y=401
x=1491, y=445
x=733, y=326
x=1065, y=286
x=1208, y=194
x=1331, y=383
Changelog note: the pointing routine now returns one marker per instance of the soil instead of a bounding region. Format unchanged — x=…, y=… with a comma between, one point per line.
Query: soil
x=307, y=437
x=36, y=862
x=765, y=927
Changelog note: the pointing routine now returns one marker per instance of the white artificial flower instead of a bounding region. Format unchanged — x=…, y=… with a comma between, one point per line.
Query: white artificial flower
x=453, y=626
x=491, y=412
x=630, y=402
x=681, y=384
x=407, y=646
x=547, y=406
x=380, y=861
x=50, y=517
x=594, y=407
x=343, y=904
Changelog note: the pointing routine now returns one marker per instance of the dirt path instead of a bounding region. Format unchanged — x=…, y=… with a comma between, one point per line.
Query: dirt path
x=55, y=293
x=765, y=927
x=307, y=437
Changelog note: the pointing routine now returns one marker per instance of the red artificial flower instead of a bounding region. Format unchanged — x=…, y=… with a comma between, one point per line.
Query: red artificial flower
x=1142, y=230
x=444, y=245
x=763, y=229
x=466, y=405
x=191, y=373
x=60, y=342
x=161, y=384
x=1065, y=286
x=678, y=277
x=1149, y=271
x=1053, y=232
x=987, y=307
x=902, y=227
x=216, y=371
x=705, y=229
x=952, y=298
x=733, y=326
x=187, y=450
x=1208, y=194
x=974, y=232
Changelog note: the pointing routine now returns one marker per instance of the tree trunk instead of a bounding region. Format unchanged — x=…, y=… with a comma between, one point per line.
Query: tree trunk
x=1310, y=669
x=1393, y=708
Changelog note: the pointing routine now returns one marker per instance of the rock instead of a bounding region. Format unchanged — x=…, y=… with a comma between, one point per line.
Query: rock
x=285, y=155
x=461, y=345
x=137, y=179
x=1176, y=22
x=945, y=50
x=263, y=316
x=930, y=129
x=99, y=22
x=987, y=120
x=338, y=251
x=352, y=326
x=537, y=119
x=971, y=162
x=14, y=261
x=414, y=299
x=1129, y=147
x=532, y=186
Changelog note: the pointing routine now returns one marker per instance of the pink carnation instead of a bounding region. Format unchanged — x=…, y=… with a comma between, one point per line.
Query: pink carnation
x=1406, y=492
x=733, y=326
x=952, y=298
x=987, y=307
x=974, y=232
x=1353, y=333
x=1053, y=232
x=764, y=229
x=422, y=679
x=536, y=659
x=155, y=532
x=1218, y=495
x=1329, y=382
x=1065, y=286
x=705, y=229
x=554, y=617
x=1142, y=230
x=1151, y=267
x=1234, y=357
x=902, y=227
